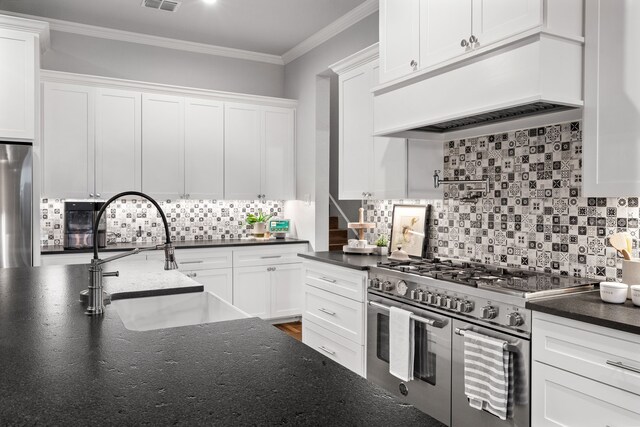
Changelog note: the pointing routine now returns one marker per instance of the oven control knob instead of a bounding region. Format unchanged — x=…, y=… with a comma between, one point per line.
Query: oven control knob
x=438, y=300
x=450, y=303
x=464, y=306
x=401, y=287
x=413, y=294
x=420, y=296
x=430, y=298
x=375, y=283
x=387, y=286
x=514, y=319
x=488, y=312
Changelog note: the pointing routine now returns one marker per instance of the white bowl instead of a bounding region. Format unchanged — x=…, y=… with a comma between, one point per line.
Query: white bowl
x=635, y=294
x=613, y=292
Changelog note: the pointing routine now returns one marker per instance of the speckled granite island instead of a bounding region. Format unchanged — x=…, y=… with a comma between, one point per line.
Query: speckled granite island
x=60, y=367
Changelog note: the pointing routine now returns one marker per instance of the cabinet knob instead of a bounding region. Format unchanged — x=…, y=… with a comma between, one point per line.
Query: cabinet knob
x=414, y=64
x=473, y=39
x=464, y=43
x=90, y=194
x=98, y=195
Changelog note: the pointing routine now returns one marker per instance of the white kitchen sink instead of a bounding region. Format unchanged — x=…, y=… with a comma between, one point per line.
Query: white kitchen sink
x=170, y=311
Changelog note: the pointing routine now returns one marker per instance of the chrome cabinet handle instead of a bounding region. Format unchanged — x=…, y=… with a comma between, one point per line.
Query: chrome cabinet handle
x=191, y=262
x=271, y=257
x=326, y=279
x=414, y=64
x=464, y=43
x=326, y=350
x=623, y=366
x=324, y=310
x=191, y=275
x=473, y=39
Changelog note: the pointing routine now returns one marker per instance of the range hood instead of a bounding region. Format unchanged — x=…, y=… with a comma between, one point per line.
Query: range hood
x=536, y=75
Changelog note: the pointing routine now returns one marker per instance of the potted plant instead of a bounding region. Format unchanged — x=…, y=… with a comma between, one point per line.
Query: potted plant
x=259, y=222
x=382, y=246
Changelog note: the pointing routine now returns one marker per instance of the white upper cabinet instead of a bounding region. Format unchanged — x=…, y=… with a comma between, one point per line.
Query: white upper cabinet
x=118, y=154
x=204, y=149
x=611, y=130
x=399, y=38
x=445, y=29
x=368, y=166
x=279, y=153
x=18, y=52
x=68, y=141
x=424, y=158
x=494, y=20
x=163, y=146
x=242, y=152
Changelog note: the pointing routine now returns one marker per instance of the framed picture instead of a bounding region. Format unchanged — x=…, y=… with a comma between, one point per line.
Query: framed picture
x=410, y=229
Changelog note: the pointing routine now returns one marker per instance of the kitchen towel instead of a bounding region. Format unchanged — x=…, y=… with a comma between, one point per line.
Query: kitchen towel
x=488, y=374
x=401, y=344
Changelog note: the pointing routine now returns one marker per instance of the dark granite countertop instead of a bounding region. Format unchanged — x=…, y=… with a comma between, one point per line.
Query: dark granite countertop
x=61, y=367
x=588, y=307
x=354, y=261
x=189, y=244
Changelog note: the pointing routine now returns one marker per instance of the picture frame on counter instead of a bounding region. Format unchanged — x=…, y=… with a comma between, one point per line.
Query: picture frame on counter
x=410, y=229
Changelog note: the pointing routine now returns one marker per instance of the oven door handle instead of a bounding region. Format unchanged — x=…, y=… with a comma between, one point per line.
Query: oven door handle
x=436, y=323
x=512, y=348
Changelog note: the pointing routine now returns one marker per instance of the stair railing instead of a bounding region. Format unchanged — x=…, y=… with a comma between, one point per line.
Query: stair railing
x=344, y=216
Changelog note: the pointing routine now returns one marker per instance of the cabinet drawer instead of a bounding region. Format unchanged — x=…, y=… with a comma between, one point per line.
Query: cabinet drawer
x=588, y=350
x=199, y=259
x=281, y=254
x=341, y=350
x=561, y=398
x=340, y=315
x=341, y=281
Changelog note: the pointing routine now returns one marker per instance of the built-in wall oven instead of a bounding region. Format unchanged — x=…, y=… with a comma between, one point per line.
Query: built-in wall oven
x=430, y=390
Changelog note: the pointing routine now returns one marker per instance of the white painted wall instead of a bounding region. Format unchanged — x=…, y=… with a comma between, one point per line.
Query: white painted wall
x=111, y=58
x=312, y=171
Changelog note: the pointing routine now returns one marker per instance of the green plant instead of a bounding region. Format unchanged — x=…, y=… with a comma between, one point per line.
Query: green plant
x=257, y=218
x=382, y=241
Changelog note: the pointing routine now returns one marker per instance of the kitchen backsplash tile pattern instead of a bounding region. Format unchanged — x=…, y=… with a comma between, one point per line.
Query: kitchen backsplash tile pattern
x=534, y=216
x=131, y=220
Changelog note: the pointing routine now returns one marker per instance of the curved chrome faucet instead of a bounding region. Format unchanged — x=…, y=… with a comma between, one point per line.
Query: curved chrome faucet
x=95, y=293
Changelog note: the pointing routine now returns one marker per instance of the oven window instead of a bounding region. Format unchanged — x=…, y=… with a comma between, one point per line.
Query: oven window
x=424, y=364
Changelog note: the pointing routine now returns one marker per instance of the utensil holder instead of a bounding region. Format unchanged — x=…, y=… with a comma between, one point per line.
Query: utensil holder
x=630, y=274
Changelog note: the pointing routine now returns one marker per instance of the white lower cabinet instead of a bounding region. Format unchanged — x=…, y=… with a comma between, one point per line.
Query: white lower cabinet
x=218, y=281
x=583, y=375
x=286, y=290
x=333, y=316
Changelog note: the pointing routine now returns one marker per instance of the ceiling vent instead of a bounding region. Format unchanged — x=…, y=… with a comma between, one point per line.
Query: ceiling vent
x=168, y=5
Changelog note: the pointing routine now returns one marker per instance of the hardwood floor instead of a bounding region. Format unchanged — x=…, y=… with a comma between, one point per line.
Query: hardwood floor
x=293, y=329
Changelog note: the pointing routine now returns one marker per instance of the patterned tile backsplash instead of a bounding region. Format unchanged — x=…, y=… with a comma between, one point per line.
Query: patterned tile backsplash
x=131, y=220
x=534, y=215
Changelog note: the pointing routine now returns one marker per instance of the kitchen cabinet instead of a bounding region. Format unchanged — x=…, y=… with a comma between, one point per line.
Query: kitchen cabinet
x=204, y=149
x=118, y=139
x=495, y=20
x=610, y=130
x=259, y=152
x=368, y=166
x=399, y=38
x=286, y=290
x=68, y=142
x=444, y=24
x=163, y=146
x=18, y=69
x=217, y=281
x=576, y=380
x=423, y=159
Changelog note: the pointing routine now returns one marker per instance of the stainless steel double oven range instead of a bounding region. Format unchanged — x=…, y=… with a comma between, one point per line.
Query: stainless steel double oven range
x=447, y=298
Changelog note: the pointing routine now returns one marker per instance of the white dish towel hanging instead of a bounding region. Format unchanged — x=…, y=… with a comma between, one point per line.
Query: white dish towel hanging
x=401, y=344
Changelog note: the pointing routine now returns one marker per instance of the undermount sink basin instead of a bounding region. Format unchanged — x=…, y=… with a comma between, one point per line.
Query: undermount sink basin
x=170, y=311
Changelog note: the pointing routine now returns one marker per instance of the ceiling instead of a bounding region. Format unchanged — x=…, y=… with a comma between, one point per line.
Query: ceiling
x=267, y=26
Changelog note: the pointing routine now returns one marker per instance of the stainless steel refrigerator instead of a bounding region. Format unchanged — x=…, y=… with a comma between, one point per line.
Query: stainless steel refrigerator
x=16, y=169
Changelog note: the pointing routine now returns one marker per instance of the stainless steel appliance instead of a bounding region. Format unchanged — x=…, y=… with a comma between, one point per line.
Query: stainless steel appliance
x=16, y=167
x=461, y=296
x=79, y=218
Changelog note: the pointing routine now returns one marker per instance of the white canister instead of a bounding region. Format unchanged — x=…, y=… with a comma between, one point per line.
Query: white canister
x=631, y=273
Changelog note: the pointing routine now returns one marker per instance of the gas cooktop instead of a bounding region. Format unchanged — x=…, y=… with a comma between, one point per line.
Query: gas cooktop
x=511, y=281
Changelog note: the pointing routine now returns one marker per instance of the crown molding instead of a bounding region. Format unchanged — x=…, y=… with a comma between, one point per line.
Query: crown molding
x=30, y=25
x=148, y=87
x=146, y=39
x=362, y=57
x=345, y=21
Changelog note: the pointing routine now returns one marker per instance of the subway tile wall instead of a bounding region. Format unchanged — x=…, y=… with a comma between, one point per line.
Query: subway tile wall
x=534, y=216
x=136, y=220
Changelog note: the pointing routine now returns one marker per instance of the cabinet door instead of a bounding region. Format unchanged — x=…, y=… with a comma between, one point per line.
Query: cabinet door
x=399, y=38
x=494, y=20
x=163, y=146
x=423, y=159
x=443, y=25
x=611, y=132
x=242, y=152
x=68, y=141
x=356, y=127
x=389, y=172
x=252, y=290
x=118, y=142
x=279, y=151
x=204, y=149
x=286, y=290
x=18, y=52
x=218, y=282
